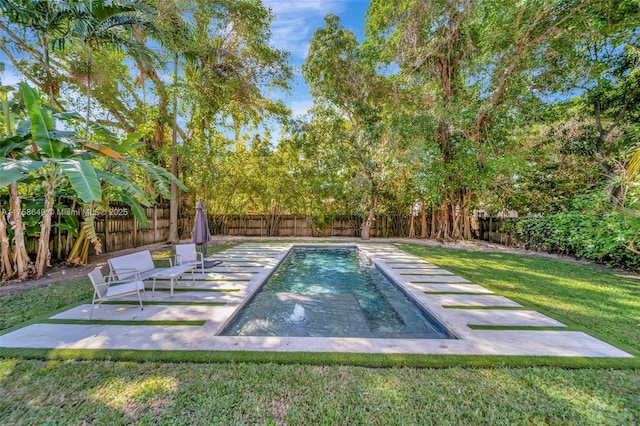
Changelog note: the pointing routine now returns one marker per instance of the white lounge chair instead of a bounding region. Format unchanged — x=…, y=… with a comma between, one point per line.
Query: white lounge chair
x=186, y=254
x=103, y=290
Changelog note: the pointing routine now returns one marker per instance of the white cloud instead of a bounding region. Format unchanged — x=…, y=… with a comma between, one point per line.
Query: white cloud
x=296, y=21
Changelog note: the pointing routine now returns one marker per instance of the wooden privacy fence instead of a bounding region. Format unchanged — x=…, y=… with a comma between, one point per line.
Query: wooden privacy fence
x=303, y=226
x=119, y=229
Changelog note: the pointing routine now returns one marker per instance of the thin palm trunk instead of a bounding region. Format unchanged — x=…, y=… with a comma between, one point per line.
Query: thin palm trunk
x=89, y=88
x=173, y=203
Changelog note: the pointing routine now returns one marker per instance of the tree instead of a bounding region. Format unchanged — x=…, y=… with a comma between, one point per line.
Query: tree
x=52, y=158
x=48, y=20
x=472, y=62
x=177, y=36
x=346, y=87
x=11, y=148
x=598, y=60
x=100, y=23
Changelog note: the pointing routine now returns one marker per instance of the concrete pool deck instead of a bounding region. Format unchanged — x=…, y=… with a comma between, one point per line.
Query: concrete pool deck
x=206, y=305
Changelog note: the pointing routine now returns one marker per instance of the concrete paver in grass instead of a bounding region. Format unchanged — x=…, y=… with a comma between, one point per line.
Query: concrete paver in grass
x=497, y=317
x=411, y=265
x=249, y=263
x=182, y=337
x=114, y=312
x=436, y=279
x=473, y=300
x=238, y=255
x=541, y=343
x=260, y=260
x=183, y=286
x=232, y=269
x=414, y=272
x=191, y=296
x=222, y=276
x=450, y=288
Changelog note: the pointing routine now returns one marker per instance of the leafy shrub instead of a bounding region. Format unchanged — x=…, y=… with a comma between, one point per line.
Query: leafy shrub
x=586, y=231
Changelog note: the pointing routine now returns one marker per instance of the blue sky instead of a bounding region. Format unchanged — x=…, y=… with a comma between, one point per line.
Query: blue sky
x=294, y=24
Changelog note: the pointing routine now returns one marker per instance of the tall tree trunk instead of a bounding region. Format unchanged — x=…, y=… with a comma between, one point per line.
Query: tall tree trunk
x=452, y=220
x=433, y=233
x=455, y=210
x=368, y=221
x=20, y=258
x=44, y=256
x=89, y=88
x=412, y=224
x=173, y=202
x=6, y=265
x=423, y=219
x=466, y=214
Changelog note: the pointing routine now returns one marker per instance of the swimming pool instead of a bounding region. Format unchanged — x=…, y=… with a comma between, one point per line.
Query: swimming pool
x=318, y=292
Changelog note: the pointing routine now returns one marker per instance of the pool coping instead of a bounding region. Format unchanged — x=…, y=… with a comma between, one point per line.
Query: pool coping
x=470, y=341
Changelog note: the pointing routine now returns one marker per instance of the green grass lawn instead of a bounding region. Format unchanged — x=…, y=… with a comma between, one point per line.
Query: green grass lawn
x=235, y=392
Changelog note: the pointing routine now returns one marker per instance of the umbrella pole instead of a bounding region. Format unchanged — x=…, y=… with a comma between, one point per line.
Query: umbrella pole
x=204, y=250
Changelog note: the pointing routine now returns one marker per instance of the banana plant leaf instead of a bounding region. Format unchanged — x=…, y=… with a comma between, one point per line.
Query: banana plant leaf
x=83, y=178
x=104, y=150
x=14, y=143
x=137, y=209
x=41, y=125
x=14, y=170
x=126, y=186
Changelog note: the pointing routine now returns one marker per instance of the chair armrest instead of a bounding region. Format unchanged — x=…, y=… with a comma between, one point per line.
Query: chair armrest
x=201, y=255
x=114, y=273
x=136, y=277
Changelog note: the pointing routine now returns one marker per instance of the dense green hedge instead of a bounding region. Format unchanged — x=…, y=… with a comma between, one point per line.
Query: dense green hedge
x=584, y=232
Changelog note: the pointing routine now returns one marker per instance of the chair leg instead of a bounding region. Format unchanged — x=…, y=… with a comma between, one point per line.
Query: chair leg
x=93, y=304
x=140, y=300
x=144, y=290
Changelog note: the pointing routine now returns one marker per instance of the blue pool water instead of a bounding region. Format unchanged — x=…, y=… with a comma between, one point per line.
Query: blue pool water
x=332, y=293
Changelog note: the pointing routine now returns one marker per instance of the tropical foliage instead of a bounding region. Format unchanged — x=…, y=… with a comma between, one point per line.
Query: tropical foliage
x=443, y=110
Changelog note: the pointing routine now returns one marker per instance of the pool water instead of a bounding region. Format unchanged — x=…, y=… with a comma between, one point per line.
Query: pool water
x=332, y=293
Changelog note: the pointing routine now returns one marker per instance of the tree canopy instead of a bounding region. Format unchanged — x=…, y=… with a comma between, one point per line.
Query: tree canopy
x=444, y=109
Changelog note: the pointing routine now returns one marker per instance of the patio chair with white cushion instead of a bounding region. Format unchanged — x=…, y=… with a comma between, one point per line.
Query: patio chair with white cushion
x=186, y=254
x=107, y=289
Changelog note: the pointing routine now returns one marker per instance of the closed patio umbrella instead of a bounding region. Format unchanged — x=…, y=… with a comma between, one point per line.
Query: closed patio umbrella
x=201, y=228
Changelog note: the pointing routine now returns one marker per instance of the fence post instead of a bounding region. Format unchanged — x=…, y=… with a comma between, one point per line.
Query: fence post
x=135, y=231
x=155, y=223
x=105, y=246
